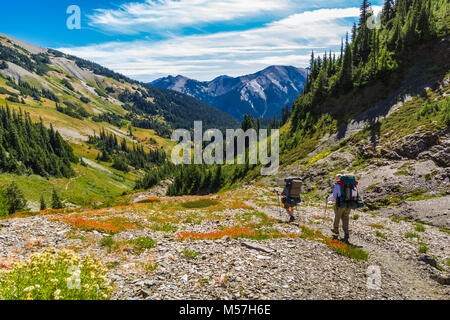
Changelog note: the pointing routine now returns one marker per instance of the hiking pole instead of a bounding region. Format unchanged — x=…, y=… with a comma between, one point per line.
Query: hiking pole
x=279, y=202
x=326, y=205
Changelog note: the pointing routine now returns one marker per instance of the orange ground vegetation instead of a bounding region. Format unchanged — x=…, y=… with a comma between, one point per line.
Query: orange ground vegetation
x=111, y=225
x=151, y=200
x=336, y=244
x=238, y=205
x=106, y=211
x=26, y=214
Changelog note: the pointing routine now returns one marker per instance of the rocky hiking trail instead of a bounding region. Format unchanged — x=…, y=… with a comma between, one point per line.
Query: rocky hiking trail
x=238, y=245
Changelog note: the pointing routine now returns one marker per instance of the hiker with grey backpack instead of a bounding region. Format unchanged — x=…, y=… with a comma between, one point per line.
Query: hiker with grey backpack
x=346, y=197
x=291, y=196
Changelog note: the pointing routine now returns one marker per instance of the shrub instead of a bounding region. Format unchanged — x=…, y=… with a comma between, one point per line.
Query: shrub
x=143, y=243
x=85, y=100
x=12, y=201
x=13, y=99
x=67, y=84
x=107, y=242
x=55, y=276
x=423, y=249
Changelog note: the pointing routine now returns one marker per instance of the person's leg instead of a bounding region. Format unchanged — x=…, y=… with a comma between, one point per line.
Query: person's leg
x=291, y=214
x=345, y=223
x=288, y=211
x=337, y=220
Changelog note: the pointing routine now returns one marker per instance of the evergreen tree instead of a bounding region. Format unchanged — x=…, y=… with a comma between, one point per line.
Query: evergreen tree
x=354, y=32
x=248, y=122
x=14, y=199
x=347, y=67
x=388, y=12
x=56, y=201
x=28, y=147
x=217, y=179
x=43, y=205
x=363, y=37
x=3, y=205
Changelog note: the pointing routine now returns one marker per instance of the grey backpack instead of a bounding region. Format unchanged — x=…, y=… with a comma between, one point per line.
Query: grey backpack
x=293, y=187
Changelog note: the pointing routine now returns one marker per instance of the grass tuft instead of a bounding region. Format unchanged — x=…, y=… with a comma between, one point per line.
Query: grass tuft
x=347, y=251
x=200, y=204
x=419, y=227
x=190, y=254
x=381, y=235
x=411, y=235
x=143, y=243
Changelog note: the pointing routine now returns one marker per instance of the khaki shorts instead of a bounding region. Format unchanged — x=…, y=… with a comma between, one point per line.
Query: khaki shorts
x=291, y=203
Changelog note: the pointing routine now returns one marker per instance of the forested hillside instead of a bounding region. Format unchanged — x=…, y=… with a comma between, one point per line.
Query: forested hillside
x=71, y=124
x=368, y=55
x=27, y=147
x=378, y=67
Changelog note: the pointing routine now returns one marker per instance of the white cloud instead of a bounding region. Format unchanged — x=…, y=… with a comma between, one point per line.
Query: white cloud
x=149, y=16
x=284, y=42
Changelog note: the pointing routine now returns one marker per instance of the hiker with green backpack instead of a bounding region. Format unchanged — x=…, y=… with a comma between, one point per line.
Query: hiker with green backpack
x=346, y=197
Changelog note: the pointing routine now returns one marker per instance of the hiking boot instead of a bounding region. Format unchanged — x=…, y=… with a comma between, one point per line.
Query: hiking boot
x=335, y=235
x=291, y=219
x=346, y=239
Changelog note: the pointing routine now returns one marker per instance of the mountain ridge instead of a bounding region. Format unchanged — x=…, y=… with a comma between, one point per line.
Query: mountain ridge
x=262, y=94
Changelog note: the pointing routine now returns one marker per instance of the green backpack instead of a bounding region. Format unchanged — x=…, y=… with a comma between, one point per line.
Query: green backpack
x=349, y=193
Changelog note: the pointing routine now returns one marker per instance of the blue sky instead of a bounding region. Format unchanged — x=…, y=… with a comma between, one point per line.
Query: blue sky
x=201, y=39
